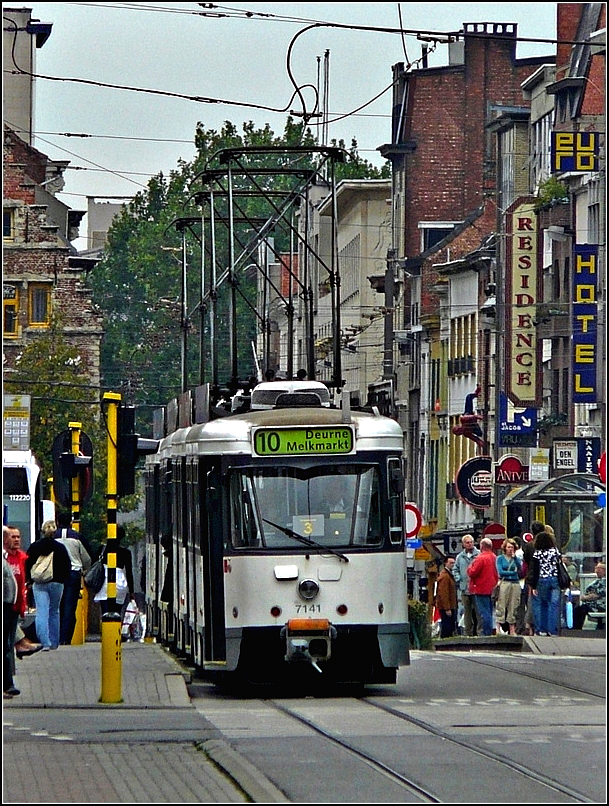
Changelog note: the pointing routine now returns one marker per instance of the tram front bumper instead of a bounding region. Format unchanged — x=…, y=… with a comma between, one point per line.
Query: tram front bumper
x=308, y=640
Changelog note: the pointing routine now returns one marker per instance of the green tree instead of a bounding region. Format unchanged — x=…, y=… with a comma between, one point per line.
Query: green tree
x=50, y=370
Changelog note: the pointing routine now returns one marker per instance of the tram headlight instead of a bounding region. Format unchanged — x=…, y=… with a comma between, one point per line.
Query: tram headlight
x=308, y=589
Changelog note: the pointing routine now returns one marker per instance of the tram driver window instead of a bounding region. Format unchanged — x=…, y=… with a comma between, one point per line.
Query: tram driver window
x=244, y=529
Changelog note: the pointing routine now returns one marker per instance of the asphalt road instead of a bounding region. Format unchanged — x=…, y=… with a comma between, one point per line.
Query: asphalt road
x=459, y=727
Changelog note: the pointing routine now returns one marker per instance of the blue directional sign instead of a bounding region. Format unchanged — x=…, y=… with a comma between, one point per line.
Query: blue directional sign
x=521, y=432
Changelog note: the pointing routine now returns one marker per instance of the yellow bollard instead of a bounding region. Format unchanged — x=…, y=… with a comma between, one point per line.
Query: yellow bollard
x=82, y=609
x=112, y=659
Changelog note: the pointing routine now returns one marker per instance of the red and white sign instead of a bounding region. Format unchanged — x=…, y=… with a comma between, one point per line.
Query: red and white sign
x=510, y=470
x=527, y=537
x=414, y=520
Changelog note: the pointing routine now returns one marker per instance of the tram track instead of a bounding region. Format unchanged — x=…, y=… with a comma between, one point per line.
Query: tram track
x=521, y=672
x=412, y=786
x=414, y=743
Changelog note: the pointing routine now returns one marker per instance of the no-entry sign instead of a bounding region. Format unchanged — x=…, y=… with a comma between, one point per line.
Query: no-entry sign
x=413, y=519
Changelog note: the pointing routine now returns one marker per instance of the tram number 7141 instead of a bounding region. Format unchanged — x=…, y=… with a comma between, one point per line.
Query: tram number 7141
x=308, y=608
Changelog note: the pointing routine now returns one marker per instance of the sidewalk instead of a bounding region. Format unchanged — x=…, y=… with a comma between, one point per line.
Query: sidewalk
x=582, y=643
x=61, y=745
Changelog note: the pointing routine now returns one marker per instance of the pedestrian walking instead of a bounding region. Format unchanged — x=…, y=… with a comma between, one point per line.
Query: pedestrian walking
x=10, y=617
x=509, y=569
x=543, y=580
x=462, y=562
x=483, y=577
x=16, y=558
x=529, y=547
x=47, y=594
x=80, y=562
x=124, y=575
x=446, y=599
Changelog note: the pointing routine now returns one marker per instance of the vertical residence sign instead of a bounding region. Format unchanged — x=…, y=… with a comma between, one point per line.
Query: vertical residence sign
x=585, y=318
x=522, y=294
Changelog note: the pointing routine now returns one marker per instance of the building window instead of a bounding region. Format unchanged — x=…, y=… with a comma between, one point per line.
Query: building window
x=594, y=212
x=8, y=224
x=39, y=304
x=432, y=232
x=11, y=310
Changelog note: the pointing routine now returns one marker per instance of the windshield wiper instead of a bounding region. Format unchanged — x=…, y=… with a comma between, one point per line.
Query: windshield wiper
x=307, y=541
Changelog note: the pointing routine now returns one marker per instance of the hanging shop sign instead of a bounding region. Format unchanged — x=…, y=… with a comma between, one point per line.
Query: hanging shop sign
x=574, y=151
x=584, y=324
x=522, y=294
x=474, y=482
x=510, y=470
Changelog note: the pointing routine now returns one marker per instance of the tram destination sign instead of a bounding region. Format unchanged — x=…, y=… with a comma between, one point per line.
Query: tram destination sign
x=303, y=441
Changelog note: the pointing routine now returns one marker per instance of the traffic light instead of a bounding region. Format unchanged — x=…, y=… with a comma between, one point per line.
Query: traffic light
x=129, y=447
x=68, y=465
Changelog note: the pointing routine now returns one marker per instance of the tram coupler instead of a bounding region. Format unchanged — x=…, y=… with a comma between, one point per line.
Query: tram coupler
x=308, y=640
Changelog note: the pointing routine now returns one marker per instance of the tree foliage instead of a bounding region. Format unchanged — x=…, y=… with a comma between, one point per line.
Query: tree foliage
x=50, y=370
x=137, y=284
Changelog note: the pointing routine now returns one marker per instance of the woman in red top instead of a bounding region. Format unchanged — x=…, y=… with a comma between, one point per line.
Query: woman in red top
x=483, y=577
x=16, y=557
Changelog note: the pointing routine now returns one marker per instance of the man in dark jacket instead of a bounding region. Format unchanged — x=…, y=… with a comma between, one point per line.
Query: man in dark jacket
x=80, y=558
x=446, y=599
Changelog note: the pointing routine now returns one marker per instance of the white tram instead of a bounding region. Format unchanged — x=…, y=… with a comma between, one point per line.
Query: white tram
x=275, y=541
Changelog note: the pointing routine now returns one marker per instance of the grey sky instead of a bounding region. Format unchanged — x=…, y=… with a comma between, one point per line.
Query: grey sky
x=169, y=47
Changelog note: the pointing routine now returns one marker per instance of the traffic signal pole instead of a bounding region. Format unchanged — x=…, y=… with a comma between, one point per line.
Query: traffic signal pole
x=82, y=607
x=111, y=665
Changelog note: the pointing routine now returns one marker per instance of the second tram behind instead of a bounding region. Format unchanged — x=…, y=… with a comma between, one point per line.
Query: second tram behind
x=275, y=541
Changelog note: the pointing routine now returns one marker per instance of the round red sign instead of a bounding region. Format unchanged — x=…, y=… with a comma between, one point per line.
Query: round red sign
x=413, y=519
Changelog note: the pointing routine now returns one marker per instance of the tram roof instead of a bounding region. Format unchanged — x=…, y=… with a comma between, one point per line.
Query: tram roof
x=233, y=434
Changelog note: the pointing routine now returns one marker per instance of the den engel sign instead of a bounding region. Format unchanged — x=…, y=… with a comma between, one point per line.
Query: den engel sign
x=565, y=454
x=474, y=482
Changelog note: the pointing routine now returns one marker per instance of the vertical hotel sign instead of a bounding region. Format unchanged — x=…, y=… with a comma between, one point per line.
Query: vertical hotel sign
x=584, y=323
x=522, y=293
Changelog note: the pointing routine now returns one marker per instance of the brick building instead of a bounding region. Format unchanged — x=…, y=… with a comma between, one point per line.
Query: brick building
x=43, y=275
x=444, y=165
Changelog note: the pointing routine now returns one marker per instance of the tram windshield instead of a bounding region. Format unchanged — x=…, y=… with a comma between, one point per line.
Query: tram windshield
x=269, y=506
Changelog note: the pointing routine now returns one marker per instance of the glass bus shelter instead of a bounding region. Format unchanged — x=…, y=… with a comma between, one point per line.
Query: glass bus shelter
x=570, y=504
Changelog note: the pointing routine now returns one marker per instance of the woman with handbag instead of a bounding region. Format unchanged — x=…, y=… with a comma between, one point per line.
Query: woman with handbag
x=509, y=570
x=47, y=588
x=545, y=588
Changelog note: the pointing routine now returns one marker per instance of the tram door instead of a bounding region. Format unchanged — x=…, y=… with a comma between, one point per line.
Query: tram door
x=212, y=554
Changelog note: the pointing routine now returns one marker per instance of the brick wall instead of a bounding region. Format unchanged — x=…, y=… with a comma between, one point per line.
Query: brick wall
x=453, y=167
x=37, y=254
